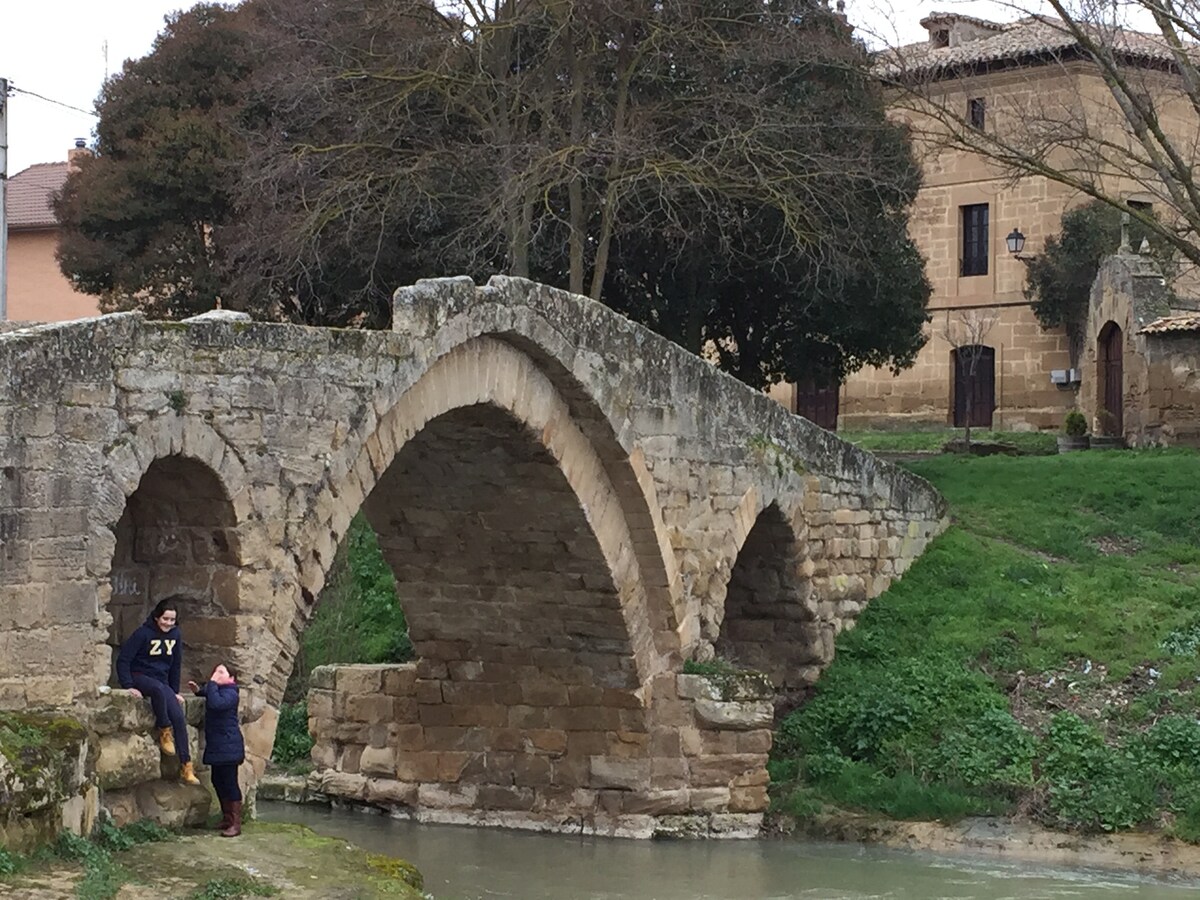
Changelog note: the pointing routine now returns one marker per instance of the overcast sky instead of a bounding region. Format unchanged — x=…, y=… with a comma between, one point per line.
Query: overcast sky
x=56, y=48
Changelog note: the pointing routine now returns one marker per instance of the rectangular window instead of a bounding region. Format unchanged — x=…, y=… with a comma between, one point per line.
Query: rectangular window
x=1140, y=205
x=976, y=109
x=974, y=240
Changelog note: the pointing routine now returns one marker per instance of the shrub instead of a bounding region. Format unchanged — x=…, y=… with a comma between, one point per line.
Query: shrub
x=10, y=863
x=1091, y=786
x=1074, y=424
x=293, y=743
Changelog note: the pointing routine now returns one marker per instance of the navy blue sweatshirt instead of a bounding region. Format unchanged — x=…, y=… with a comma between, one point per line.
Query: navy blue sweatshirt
x=152, y=652
x=222, y=735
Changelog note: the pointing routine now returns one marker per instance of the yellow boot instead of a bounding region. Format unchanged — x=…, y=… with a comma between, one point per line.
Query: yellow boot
x=187, y=775
x=166, y=741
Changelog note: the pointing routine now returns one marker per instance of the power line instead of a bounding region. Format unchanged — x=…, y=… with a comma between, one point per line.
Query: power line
x=87, y=112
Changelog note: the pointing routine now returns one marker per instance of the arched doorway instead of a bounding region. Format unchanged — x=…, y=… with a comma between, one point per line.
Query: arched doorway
x=176, y=539
x=1110, y=379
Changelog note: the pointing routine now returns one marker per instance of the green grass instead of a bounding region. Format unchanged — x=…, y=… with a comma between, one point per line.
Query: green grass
x=932, y=440
x=103, y=875
x=357, y=619
x=1036, y=623
x=233, y=889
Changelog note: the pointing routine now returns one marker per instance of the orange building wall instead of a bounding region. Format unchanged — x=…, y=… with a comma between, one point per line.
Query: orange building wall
x=37, y=290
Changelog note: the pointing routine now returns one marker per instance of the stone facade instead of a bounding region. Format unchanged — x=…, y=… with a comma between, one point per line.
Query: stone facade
x=567, y=500
x=1160, y=365
x=1017, y=87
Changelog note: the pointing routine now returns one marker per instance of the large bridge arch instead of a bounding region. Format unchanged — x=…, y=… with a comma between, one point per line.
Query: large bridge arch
x=488, y=372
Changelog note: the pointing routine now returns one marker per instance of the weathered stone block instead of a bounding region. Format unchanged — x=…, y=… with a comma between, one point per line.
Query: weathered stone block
x=627, y=774
x=126, y=760
x=172, y=804
x=742, y=716
x=342, y=784
x=722, y=770
x=378, y=761
x=392, y=793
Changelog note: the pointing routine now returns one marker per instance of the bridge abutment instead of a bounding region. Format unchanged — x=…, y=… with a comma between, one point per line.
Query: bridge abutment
x=691, y=763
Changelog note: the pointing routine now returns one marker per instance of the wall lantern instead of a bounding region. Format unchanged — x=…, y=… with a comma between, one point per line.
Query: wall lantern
x=1015, y=241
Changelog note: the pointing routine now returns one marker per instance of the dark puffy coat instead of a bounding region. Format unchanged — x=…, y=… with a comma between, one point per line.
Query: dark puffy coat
x=152, y=652
x=222, y=735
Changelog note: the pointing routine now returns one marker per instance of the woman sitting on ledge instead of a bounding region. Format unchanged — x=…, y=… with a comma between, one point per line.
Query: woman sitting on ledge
x=148, y=666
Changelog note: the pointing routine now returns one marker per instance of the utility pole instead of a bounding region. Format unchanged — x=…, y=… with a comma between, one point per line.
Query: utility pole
x=3, y=199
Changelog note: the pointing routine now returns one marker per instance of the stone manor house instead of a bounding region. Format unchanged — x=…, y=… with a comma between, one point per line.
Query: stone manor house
x=995, y=74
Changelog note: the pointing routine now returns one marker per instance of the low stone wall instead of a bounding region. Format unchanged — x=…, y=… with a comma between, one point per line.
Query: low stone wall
x=60, y=770
x=136, y=781
x=410, y=740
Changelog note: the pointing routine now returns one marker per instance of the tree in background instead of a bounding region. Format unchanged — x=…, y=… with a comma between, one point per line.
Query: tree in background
x=1059, y=279
x=722, y=170
x=141, y=219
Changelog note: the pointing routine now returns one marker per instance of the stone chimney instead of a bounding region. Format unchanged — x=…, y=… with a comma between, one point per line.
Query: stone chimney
x=77, y=153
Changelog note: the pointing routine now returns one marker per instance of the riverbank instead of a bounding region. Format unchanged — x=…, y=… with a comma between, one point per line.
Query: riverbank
x=1004, y=840
x=268, y=859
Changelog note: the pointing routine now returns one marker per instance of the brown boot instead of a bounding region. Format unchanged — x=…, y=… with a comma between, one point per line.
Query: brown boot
x=166, y=741
x=235, y=819
x=187, y=775
x=226, y=816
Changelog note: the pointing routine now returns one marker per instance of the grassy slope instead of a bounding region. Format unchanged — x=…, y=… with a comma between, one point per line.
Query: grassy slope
x=1050, y=598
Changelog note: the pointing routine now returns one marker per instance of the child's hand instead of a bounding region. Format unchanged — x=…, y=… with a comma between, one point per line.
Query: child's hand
x=193, y=687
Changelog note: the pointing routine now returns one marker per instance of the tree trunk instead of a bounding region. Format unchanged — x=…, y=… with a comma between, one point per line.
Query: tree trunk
x=575, y=186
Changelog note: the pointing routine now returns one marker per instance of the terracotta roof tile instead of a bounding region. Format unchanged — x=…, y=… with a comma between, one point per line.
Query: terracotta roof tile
x=1024, y=38
x=1177, y=323
x=29, y=195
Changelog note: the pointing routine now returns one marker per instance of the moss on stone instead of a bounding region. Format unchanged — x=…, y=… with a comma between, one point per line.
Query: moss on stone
x=39, y=753
x=396, y=869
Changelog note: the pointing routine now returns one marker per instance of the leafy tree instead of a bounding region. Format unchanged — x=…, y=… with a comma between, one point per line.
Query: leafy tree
x=141, y=219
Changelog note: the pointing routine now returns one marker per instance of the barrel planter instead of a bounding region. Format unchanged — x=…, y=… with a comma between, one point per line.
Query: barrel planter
x=1070, y=442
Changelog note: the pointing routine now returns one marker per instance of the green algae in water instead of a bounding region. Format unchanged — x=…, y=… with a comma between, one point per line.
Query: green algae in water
x=397, y=869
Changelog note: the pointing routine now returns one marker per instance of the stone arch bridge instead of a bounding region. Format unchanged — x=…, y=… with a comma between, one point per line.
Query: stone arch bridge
x=572, y=507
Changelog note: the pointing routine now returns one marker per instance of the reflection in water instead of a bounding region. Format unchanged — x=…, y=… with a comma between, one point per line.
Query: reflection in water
x=478, y=863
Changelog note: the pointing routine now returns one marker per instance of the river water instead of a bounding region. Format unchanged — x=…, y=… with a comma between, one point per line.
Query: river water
x=478, y=863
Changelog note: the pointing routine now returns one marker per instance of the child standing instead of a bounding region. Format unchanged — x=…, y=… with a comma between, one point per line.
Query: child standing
x=224, y=750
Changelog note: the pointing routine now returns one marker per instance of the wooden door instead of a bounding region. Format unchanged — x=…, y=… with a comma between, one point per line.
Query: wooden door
x=979, y=386
x=1112, y=378
x=818, y=403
